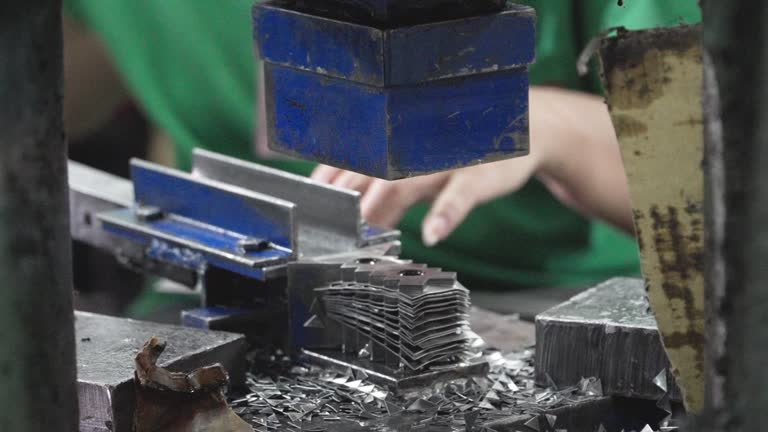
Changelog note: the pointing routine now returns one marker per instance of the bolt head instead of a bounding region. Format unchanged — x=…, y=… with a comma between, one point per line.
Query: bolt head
x=148, y=213
x=250, y=244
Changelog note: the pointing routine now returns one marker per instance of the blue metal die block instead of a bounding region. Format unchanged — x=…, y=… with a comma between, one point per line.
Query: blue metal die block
x=397, y=102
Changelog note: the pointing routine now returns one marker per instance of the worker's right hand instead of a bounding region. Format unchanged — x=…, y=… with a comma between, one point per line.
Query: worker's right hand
x=453, y=193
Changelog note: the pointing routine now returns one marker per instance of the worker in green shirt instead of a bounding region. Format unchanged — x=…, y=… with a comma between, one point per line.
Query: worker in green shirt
x=527, y=222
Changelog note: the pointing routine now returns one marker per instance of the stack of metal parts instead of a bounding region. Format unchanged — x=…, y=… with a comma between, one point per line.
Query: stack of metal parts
x=407, y=315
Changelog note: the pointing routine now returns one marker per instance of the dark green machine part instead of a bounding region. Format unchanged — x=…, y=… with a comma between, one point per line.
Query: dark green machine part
x=37, y=357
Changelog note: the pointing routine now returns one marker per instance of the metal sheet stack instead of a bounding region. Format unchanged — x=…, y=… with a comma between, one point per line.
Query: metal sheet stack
x=405, y=315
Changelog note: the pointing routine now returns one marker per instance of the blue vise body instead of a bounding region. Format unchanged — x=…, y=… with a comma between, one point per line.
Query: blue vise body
x=396, y=101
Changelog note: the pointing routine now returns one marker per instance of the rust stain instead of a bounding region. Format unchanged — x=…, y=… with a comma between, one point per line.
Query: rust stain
x=639, y=216
x=181, y=402
x=690, y=122
x=681, y=259
x=634, y=71
x=681, y=339
x=628, y=126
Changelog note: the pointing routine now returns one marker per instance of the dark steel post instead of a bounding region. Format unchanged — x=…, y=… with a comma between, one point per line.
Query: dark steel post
x=736, y=148
x=37, y=349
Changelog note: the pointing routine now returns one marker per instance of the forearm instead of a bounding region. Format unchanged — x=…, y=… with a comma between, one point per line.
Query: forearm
x=92, y=87
x=586, y=157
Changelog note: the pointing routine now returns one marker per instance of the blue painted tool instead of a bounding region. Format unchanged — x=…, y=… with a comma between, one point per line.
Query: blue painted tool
x=392, y=100
x=256, y=243
x=193, y=222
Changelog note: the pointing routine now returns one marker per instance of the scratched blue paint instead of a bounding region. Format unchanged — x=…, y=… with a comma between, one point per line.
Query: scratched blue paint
x=333, y=121
x=182, y=255
x=400, y=131
x=494, y=42
x=397, y=102
x=398, y=56
x=185, y=196
x=483, y=118
x=314, y=43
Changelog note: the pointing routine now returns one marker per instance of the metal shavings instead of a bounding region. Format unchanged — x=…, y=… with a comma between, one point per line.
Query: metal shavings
x=664, y=404
x=486, y=405
x=591, y=387
x=661, y=380
x=469, y=420
x=364, y=352
x=498, y=385
x=393, y=409
x=601, y=428
x=533, y=423
x=647, y=428
x=421, y=405
x=550, y=381
x=492, y=396
x=361, y=375
x=314, y=399
x=512, y=386
x=551, y=419
x=314, y=322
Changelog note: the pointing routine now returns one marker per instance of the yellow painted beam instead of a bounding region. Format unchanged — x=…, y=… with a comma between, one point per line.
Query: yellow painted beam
x=653, y=83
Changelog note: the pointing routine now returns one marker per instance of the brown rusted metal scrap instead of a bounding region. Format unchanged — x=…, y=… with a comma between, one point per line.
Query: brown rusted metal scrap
x=181, y=401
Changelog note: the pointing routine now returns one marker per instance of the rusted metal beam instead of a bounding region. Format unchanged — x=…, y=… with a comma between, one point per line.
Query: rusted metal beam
x=37, y=358
x=653, y=82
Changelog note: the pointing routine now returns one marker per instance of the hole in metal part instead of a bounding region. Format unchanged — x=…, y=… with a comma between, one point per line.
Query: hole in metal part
x=411, y=272
x=366, y=261
x=87, y=219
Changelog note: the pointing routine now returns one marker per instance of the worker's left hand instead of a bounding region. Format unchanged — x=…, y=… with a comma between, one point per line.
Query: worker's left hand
x=453, y=193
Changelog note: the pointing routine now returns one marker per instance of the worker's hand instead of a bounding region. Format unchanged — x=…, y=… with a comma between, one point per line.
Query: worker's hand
x=453, y=193
x=573, y=152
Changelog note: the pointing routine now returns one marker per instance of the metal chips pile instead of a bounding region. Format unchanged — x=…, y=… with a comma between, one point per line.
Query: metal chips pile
x=404, y=315
x=313, y=399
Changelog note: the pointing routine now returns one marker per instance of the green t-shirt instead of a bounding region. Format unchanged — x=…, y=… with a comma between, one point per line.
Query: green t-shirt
x=191, y=66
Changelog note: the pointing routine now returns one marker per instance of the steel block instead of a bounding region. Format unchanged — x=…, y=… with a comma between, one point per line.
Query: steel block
x=606, y=332
x=106, y=347
x=396, y=102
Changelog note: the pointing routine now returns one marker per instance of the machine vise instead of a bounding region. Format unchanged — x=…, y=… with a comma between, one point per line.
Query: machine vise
x=396, y=88
x=268, y=251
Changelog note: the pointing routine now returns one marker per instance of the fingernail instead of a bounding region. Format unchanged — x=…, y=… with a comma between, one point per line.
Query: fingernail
x=434, y=230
